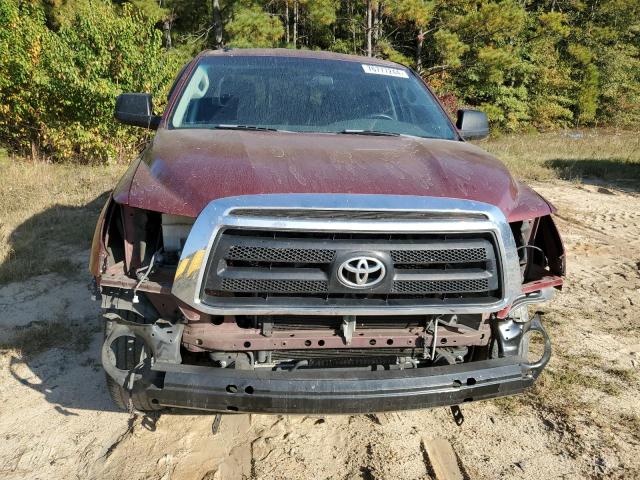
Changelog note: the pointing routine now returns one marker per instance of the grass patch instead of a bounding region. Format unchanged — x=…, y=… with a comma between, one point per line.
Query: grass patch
x=4, y=157
x=44, y=206
x=63, y=266
x=570, y=155
x=566, y=383
x=631, y=423
x=623, y=374
x=561, y=389
x=42, y=336
x=586, y=358
x=511, y=405
x=56, y=332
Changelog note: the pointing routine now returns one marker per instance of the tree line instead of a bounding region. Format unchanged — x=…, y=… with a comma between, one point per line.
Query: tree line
x=528, y=64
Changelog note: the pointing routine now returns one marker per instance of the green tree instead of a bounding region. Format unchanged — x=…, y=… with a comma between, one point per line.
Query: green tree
x=58, y=88
x=539, y=63
x=251, y=26
x=414, y=15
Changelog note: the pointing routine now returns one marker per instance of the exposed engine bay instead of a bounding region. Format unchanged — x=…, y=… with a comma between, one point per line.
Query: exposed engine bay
x=141, y=256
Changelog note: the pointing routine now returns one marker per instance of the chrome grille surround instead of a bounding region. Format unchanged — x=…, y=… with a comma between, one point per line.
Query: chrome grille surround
x=394, y=214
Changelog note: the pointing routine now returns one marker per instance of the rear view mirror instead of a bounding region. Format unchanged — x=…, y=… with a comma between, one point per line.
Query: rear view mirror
x=321, y=81
x=473, y=124
x=136, y=109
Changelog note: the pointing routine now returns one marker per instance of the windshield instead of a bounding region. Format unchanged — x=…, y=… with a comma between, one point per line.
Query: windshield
x=308, y=95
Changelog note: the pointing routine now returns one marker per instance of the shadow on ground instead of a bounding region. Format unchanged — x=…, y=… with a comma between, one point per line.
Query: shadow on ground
x=65, y=379
x=52, y=331
x=42, y=243
x=614, y=172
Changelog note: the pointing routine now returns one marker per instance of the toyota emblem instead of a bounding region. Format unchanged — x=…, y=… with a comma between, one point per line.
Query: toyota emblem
x=361, y=272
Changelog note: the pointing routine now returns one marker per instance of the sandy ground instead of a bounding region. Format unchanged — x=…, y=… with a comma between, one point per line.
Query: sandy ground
x=57, y=421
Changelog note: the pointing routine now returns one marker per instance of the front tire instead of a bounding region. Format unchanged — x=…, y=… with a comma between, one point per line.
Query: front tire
x=139, y=400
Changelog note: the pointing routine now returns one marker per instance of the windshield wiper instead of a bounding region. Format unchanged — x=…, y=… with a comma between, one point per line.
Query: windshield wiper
x=223, y=126
x=370, y=132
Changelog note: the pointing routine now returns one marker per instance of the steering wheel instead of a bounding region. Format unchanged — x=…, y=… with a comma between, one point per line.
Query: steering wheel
x=379, y=116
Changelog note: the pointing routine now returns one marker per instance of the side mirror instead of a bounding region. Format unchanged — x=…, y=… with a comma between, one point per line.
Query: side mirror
x=136, y=109
x=473, y=124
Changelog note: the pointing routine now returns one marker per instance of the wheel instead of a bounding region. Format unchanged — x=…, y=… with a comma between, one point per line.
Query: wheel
x=128, y=351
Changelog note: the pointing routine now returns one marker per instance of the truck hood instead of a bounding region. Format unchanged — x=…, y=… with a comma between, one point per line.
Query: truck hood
x=181, y=171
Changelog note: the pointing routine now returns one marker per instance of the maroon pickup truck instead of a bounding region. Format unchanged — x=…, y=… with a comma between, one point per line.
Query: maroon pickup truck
x=308, y=232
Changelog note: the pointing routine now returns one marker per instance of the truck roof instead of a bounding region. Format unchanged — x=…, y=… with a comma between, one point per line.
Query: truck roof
x=292, y=53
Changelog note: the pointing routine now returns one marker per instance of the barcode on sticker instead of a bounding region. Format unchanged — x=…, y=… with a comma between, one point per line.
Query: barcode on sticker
x=391, y=72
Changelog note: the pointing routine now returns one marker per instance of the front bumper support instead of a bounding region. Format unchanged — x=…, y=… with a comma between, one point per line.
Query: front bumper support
x=340, y=391
x=331, y=391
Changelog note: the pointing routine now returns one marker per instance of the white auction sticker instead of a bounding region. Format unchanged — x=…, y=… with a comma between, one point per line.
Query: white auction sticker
x=391, y=72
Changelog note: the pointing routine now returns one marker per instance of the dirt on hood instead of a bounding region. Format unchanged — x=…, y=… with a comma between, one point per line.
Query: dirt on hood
x=183, y=170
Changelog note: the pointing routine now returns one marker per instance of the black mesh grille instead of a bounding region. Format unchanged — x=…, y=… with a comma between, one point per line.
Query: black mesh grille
x=441, y=286
x=456, y=255
x=265, y=254
x=275, y=286
x=250, y=267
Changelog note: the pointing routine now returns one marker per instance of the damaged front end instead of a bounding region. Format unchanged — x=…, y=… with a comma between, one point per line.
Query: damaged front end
x=243, y=308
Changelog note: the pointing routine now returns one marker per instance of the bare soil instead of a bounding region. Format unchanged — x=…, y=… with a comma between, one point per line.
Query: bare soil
x=582, y=420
